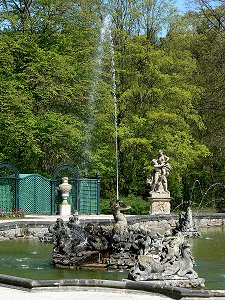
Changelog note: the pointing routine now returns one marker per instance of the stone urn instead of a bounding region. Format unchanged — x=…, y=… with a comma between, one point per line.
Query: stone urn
x=65, y=188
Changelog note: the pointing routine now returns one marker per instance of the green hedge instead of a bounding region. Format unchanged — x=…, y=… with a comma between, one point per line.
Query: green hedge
x=138, y=205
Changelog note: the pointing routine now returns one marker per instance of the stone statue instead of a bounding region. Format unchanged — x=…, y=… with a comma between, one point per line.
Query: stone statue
x=172, y=263
x=164, y=259
x=185, y=224
x=158, y=176
x=120, y=219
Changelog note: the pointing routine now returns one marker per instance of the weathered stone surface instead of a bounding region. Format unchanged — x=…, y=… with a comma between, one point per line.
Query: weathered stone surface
x=150, y=257
x=159, y=205
x=158, y=177
x=159, y=194
x=185, y=224
x=166, y=258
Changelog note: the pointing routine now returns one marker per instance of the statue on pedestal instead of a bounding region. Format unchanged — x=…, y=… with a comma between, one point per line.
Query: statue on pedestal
x=158, y=176
x=159, y=194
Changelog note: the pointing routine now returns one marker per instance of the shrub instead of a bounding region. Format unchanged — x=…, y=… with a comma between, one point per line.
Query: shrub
x=138, y=205
x=220, y=205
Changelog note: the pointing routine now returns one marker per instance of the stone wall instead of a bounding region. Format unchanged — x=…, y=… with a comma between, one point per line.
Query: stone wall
x=16, y=229
x=36, y=229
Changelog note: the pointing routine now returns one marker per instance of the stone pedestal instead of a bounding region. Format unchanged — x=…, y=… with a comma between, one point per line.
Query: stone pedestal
x=159, y=203
x=65, y=209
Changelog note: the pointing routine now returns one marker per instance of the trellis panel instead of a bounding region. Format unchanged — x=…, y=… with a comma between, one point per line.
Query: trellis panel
x=89, y=196
x=35, y=194
x=7, y=195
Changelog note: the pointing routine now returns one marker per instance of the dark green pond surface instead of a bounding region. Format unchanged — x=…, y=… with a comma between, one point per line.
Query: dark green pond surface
x=30, y=259
x=209, y=254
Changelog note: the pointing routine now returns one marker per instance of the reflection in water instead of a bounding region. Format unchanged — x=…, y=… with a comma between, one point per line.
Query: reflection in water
x=30, y=259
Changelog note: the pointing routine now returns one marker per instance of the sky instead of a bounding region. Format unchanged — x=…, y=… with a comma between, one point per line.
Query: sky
x=181, y=5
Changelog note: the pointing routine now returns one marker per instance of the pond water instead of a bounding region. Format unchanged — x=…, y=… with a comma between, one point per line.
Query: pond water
x=209, y=254
x=31, y=259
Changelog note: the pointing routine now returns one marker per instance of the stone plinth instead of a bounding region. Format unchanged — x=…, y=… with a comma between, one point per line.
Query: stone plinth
x=159, y=203
x=65, y=209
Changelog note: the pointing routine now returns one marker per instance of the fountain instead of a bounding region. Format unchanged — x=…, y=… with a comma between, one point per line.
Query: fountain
x=162, y=259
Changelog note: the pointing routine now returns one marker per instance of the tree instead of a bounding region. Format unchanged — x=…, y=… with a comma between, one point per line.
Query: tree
x=141, y=17
x=208, y=48
x=45, y=80
x=201, y=33
x=156, y=111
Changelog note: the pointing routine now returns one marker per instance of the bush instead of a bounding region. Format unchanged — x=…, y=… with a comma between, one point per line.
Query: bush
x=105, y=207
x=220, y=205
x=138, y=205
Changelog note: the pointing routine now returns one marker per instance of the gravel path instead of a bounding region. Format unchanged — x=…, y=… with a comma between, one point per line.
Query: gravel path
x=78, y=294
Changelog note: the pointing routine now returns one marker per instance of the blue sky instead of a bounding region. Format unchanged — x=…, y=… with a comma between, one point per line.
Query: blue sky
x=181, y=4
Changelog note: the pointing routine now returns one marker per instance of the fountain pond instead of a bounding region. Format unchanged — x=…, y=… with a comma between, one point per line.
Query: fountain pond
x=209, y=254
x=28, y=258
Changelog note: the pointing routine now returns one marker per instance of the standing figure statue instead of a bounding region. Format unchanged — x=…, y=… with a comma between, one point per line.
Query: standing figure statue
x=158, y=176
x=120, y=220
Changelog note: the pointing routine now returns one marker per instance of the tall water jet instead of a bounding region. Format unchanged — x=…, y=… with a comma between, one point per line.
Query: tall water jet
x=115, y=112
x=96, y=74
x=105, y=38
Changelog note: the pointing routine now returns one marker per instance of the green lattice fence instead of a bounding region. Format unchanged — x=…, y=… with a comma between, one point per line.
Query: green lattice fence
x=34, y=194
x=7, y=195
x=89, y=190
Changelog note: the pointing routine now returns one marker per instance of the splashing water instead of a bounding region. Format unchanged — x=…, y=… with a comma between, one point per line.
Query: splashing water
x=210, y=188
x=197, y=183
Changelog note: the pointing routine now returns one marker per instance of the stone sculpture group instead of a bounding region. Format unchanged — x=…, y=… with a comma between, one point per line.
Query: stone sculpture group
x=159, y=194
x=158, y=176
x=164, y=259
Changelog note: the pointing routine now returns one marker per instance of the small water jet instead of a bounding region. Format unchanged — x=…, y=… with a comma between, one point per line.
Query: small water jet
x=209, y=189
x=204, y=194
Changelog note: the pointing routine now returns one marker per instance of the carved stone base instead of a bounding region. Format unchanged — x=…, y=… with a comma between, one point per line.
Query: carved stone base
x=65, y=210
x=159, y=203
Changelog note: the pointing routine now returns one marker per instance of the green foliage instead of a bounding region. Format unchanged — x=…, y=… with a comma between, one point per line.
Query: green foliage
x=220, y=205
x=138, y=205
x=156, y=110
x=105, y=207
x=56, y=98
